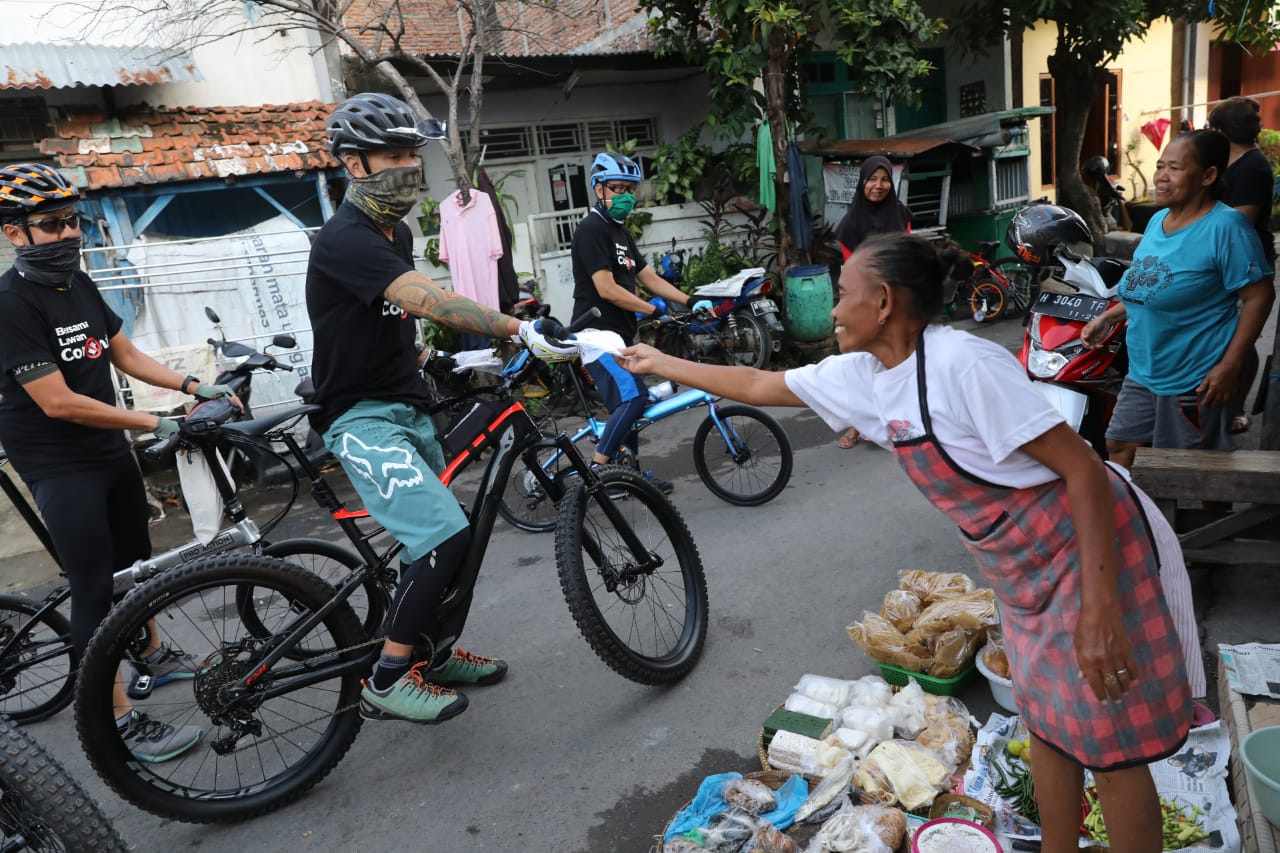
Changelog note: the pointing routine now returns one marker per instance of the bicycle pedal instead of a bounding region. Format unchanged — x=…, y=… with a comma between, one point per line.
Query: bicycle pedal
x=141, y=686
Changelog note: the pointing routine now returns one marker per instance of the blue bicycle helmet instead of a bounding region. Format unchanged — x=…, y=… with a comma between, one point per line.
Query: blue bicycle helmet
x=614, y=167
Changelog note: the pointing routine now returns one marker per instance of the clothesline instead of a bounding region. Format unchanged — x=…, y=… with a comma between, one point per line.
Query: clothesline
x=1205, y=103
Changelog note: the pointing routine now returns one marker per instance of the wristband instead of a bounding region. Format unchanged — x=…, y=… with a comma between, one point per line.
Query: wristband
x=186, y=382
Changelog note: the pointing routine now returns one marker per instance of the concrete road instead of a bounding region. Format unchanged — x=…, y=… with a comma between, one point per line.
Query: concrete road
x=565, y=755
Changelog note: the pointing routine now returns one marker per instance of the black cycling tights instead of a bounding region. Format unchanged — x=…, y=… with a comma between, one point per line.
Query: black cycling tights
x=422, y=584
x=98, y=521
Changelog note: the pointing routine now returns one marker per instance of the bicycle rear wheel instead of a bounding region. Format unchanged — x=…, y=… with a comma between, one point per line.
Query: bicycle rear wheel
x=648, y=623
x=38, y=672
x=42, y=807
x=263, y=747
x=1022, y=285
x=750, y=462
x=987, y=300
x=525, y=504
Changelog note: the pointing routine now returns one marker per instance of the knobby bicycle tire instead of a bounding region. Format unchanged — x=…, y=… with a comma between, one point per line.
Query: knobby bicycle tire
x=32, y=689
x=1022, y=285
x=196, y=611
x=608, y=597
x=42, y=807
x=753, y=472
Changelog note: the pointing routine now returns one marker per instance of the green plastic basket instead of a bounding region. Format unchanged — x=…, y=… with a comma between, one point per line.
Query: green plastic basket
x=898, y=677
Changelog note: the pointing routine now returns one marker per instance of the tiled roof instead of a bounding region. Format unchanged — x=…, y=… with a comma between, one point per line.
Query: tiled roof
x=594, y=27
x=157, y=145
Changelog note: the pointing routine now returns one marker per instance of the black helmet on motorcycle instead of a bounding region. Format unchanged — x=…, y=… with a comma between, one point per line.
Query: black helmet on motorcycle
x=1096, y=168
x=1037, y=230
x=28, y=187
x=372, y=121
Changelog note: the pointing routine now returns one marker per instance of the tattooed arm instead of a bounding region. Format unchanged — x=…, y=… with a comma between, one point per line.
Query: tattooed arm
x=422, y=297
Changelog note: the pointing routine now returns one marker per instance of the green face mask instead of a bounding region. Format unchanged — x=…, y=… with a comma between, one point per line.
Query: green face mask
x=621, y=206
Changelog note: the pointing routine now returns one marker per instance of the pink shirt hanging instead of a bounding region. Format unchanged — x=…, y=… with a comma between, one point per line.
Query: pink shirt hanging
x=471, y=244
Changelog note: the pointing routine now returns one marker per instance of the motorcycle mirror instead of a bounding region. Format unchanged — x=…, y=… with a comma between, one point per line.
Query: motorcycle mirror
x=284, y=341
x=544, y=310
x=211, y=314
x=231, y=349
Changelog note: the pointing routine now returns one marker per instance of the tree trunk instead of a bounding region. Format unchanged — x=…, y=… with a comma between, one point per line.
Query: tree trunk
x=451, y=144
x=1073, y=75
x=775, y=94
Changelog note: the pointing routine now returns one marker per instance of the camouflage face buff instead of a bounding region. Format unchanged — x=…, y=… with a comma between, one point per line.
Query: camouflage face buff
x=387, y=196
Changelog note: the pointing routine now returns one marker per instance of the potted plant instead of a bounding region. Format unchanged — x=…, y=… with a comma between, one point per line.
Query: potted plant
x=429, y=217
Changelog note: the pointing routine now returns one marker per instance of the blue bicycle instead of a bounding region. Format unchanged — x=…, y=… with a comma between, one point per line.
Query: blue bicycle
x=749, y=465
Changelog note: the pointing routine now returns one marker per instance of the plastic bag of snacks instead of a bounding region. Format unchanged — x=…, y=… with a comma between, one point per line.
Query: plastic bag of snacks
x=833, y=691
x=900, y=771
x=973, y=611
x=953, y=652
x=882, y=642
x=931, y=586
x=901, y=608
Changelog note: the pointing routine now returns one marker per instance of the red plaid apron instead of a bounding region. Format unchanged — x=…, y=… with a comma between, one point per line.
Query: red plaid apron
x=1024, y=542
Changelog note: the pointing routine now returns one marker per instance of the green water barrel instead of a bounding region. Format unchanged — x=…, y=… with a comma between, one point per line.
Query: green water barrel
x=809, y=302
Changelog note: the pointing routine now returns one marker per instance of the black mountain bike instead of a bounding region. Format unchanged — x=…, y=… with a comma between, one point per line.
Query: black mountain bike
x=38, y=663
x=42, y=807
x=280, y=654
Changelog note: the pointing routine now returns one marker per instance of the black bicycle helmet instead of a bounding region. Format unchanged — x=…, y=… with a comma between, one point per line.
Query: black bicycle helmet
x=1096, y=167
x=1037, y=230
x=372, y=121
x=28, y=187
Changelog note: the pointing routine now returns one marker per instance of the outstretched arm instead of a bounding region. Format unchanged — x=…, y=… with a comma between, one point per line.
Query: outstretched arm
x=745, y=384
x=422, y=297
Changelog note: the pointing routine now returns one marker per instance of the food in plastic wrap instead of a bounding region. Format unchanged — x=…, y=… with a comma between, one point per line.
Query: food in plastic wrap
x=882, y=642
x=861, y=829
x=949, y=737
x=876, y=722
x=680, y=844
x=727, y=831
x=995, y=659
x=832, y=785
x=953, y=651
x=901, y=608
x=932, y=586
x=830, y=754
x=973, y=611
x=938, y=707
x=832, y=691
x=750, y=795
x=870, y=691
x=899, y=771
x=807, y=705
x=852, y=740
x=906, y=710
x=795, y=753
x=770, y=839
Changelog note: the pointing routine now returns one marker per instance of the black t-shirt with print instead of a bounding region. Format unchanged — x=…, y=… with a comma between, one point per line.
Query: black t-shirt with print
x=600, y=243
x=364, y=345
x=1249, y=181
x=71, y=329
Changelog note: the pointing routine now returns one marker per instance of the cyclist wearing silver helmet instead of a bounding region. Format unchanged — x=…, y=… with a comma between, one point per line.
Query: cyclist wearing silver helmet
x=607, y=270
x=62, y=429
x=362, y=291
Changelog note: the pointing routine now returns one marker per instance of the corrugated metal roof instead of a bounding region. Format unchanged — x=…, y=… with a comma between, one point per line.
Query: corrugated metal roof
x=889, y=146
x=59, y=66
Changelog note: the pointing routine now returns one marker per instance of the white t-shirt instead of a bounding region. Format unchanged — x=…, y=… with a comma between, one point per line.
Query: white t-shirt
x=980, y=399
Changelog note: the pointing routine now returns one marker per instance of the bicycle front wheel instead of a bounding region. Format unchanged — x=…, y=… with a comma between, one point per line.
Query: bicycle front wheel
x=262, y=747
x=42, y=807
x=749, y=462
x=644, y=615
x=987, y=300
x=38, y=665
x=1021, y=284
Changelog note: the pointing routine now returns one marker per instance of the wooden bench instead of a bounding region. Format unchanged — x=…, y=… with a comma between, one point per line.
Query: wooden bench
x=1240, y=524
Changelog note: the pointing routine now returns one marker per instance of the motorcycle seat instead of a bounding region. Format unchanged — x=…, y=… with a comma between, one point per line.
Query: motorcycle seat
x=306, y=390
x=1111, y=269
x=259, y=427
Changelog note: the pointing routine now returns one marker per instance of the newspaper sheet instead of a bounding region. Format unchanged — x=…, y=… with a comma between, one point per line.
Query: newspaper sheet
x=1252, y=668
x=1195, y=776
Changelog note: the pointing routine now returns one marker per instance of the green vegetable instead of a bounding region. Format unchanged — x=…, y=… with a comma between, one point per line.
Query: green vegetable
x=1181, y=825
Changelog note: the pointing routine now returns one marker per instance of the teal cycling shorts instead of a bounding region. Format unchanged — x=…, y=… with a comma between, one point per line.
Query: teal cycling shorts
x=390, y=454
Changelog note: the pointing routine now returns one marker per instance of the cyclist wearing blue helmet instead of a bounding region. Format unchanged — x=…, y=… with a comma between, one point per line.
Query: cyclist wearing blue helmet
x=607, y=270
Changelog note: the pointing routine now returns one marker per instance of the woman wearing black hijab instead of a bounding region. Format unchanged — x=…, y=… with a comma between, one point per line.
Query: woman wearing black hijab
x=875, y=209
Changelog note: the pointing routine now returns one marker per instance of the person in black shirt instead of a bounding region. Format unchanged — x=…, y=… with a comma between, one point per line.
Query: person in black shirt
x=62, y=429
x=1250, y=189
x=607, y=268
x=363, y=294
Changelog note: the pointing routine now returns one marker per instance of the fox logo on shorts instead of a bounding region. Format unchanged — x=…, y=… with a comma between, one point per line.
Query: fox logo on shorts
x=385, y=467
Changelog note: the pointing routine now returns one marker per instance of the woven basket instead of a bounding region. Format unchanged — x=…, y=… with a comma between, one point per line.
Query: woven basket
x=775, y=779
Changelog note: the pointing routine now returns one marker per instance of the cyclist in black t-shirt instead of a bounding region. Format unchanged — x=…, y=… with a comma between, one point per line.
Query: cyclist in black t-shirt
x=363, y=294
x=607, y=268
x=62, y=429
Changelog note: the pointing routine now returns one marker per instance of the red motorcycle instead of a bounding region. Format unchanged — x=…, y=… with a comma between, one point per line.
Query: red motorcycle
x=1081, y=383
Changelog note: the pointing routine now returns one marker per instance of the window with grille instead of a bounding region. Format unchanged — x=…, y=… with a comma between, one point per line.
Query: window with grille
x=522, y=142
x=559, y=138
x=515, y=141
x=23, y=123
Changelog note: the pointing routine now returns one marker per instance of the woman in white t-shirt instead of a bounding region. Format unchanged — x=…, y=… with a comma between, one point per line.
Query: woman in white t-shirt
x=1098, y=673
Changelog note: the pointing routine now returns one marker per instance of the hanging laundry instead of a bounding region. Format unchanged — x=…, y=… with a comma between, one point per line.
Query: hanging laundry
x=766, y=166
x=471, y=244
x=801, y=210
x=508, y=283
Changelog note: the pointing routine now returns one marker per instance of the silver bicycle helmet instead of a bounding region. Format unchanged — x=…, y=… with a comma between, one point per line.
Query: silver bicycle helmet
x=372, y=121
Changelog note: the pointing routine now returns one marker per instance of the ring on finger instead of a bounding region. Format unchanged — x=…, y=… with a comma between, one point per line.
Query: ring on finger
x=1110, y=678
x=1122, y=671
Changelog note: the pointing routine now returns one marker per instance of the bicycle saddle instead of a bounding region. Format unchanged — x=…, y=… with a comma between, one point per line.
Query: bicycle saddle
x=988, y=247
x=261, y=426
x=306, y=390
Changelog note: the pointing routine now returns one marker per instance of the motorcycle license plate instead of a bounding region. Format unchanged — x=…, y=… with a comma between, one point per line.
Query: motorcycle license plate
x=764, y=306
x=1070, y=306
